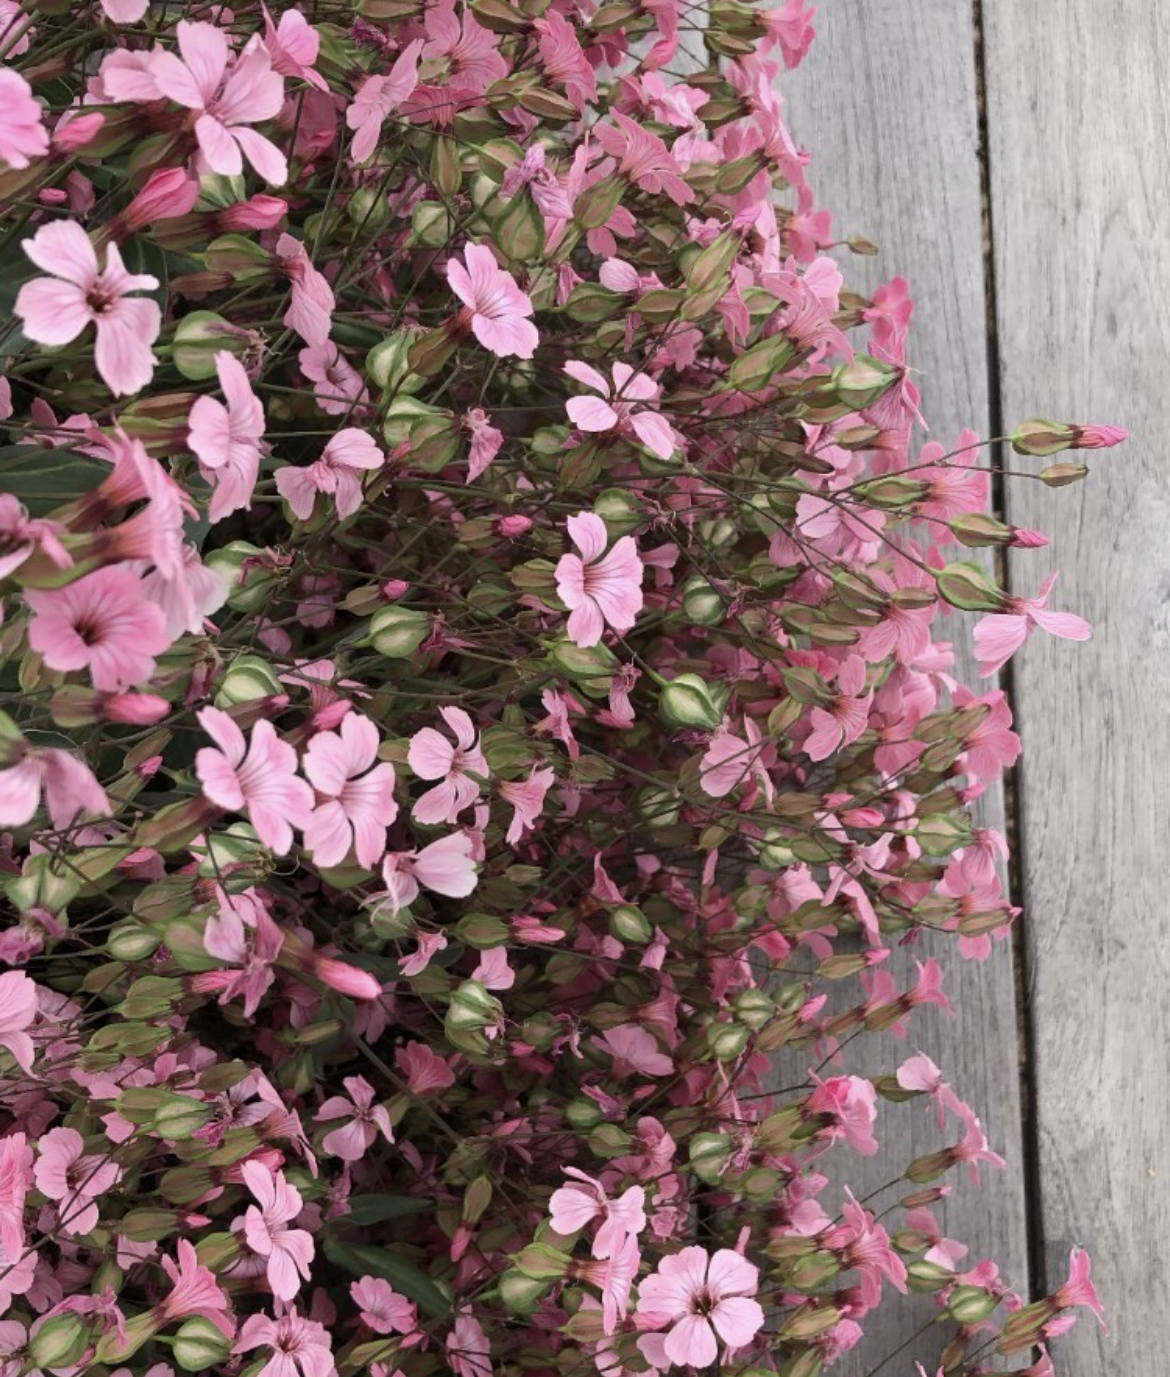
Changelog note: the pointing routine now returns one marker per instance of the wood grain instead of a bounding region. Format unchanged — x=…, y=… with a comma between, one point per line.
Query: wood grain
x=886, y=102
x=1078, y=110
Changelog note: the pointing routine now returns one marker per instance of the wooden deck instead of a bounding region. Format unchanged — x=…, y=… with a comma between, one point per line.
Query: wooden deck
x=1009, y=159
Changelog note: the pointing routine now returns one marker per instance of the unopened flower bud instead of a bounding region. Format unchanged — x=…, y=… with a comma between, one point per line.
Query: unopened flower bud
x=512, y=527
x=169, y=192
x=61, y=1342
x=256, y=213
x=688, y=701
x=1098, y=437
x=249, y=679
x=1039, y=436
x=199, y=1345
x=397, y=632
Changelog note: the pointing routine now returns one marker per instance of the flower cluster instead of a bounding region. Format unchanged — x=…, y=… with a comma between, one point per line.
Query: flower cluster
x=476, y=706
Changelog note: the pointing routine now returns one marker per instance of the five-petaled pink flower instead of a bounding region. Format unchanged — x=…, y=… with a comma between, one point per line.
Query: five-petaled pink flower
x=194, y=1291
x=300, y=1347
x=366, y=1120
x=703, y=1298
x=1078, y=1289
x=494, y=307
x=634, y=1051
x=73, y=1179
x=444, y=867
x=382, y=1308
x=377, y=97
x=599, y=589
x=642, y=158
x=288, y=1252
x=18, y=1009
x=615, y=408
x=102, y=623
x=999, y=635
x=355, y=802
x=432, y=756
x=22, y=131
x=227, y=438
x=258, y=778
x=68, y=785
x=574, y=1206
x=850, y=1104
x=347, y=454
x=229, y=95
x=527, y=799
x=56, y=309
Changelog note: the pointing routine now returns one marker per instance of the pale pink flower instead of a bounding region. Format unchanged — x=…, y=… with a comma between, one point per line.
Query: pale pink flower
x=432, y=756
x=288, y=1252
x=73, y=1180
x=703, y=1298
x=258, y=778
x=527, y=799
x=337, y=384
x=850, y=1104
x=846, y=717
x=574, y=1206
x=382, y=1308
x=789, y=26
x=868, y=1250
x=468, y=1349
x=293, y=46
x=377, y=97
x=243, y=934
x=599, y=589
x=355, y=796
x=634, y=1051
x=228, y=99
x=495, y=308
x=300, y=1347
x=16, y=1180
x=1078, y=1289
x=353, y=1140
x=194, y=1291
x=430, y=944
x=945, y=1252
x=999, y=635
x=494, y=971
x=614, y=1277
x=227, y=439
x=56, y=309
x=472, y=52
x=347, y=454
x=310, y=312
x=485, y=442
x=18, y=1009
x=188, y=598
x=549, y=196
x=920, y=1073
x=444, y=867
x=729, y=760
x=21, y=535
x=426, y=1072
x=102, y=623
x=23, y=135
x=642, y=158
x=68, y=784
x=974, y=1148
x=615, y=408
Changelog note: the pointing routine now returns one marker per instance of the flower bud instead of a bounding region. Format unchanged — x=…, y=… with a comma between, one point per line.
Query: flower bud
x=541, y=1262
x=708, y=1155
x=630, y=924
x=928, y=1277
x=512, y=527
x=703, y=604
x=1061, y=475
x=726, y=1041
x=1039, y=436
x=256, y=213
x=130, y=940
x=60, y=1342
x=473, y=1007
x=199, y=1345
x=521, y=1294
x=181, y=1118
x=199, y=336
x=397, y=632
x=969, y=588
x=248, y=679
x=970, y=1304
x=169, y=192
x=1098, y=437
x=688, y=701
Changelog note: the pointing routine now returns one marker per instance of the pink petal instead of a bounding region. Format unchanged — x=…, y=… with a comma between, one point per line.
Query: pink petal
x=52, y=311
x=588, y=377
x=692, y=1342
x=737, y=1320
x=587, y=531
x=63, y=249
x=591, y=414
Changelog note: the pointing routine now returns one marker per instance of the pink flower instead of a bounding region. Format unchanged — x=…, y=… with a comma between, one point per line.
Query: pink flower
x=18, y=1009
x=227, y=439
x=527, y=799
x=354, y=1139
x=102, y=623
x=382, y=1308
x=425, y=1071
x=701, y=1297
x=614, y=1277
x=432, y=756
x=920, y=1073
x=68, y=784
x=16, y=1180
x=73, y=1180
x=850, y=1104
x=643, y=159
x=1078, y=1289
x=57, y=308
x=974, y=1147
x=228, y=99
x=21, y=536
x=259, y=779
x=338, y=385
x=634, y=1052
x=730, y=759
x=445, y=867
x=188, y=598
x=790, y=26
x=869, y=1251
x=300, y=1347
x=999, y=635
x=485, y=442
x=377, y=97
x=614, y=409
x=565, y=62
x=310, y=313
x=355, y=796
x=468, y=1349
x=194, y=1291
x=990, y=746
x=347, y=454
x=243, y=934
x=846, y=717
x=22, y=132
x=288, y=1252
x=599, y=589
x=549, y=196
x=574, y=1206
x=292, y=46
x=494, y=306
x=945, y=1252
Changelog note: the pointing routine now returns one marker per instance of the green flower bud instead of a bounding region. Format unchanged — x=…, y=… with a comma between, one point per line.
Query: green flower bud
x=689, y=701
x=397, y=632
x=199, y=1345
x=473, y=1007
x=248, y=680
x=702, y=603
x=61, y=1342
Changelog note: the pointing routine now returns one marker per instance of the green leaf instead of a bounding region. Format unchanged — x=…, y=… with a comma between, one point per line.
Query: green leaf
x=374, y=1209
x=44, y=479
x=362, y=1259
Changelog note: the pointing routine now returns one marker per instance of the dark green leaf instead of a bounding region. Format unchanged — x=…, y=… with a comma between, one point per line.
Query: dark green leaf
x=362, y=1259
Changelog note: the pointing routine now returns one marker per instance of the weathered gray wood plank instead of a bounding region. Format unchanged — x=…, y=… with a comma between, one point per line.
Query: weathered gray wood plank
x=886, y=102
x=1078, y=109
